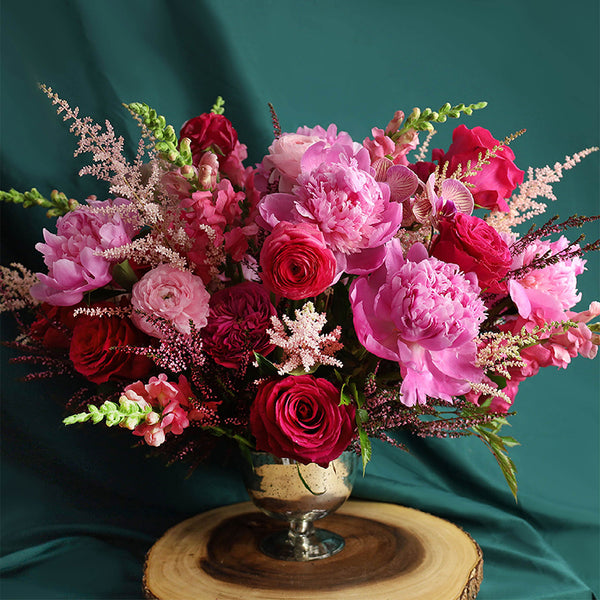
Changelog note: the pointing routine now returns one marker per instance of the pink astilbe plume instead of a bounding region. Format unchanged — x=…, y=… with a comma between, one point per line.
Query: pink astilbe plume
x=15, y=283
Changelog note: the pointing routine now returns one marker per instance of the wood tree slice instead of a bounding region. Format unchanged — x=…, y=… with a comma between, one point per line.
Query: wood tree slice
x=391, y=552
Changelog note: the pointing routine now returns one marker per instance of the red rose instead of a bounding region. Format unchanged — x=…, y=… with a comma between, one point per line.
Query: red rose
x=237, y=324
x=296, y=262
x=497, y=180
x=210, y=130
x=474, y=246
x=53, y=325
x=91, y=353
x=300, y=417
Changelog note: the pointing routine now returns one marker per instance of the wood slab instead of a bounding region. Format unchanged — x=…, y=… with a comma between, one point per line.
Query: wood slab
x=391, y=552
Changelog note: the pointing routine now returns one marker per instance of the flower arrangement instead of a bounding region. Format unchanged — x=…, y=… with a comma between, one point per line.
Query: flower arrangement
x=333, y=293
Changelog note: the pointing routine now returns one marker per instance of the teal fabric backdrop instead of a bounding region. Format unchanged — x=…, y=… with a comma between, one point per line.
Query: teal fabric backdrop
x=79, y=507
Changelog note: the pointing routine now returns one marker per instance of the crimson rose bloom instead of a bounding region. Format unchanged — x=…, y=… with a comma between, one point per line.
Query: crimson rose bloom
x=210, y=130
x=296, y=263
x=300, y=417
x=91, y=353
x=497, y=180
x=474, y=246
x=237, y=324
x=53, y=325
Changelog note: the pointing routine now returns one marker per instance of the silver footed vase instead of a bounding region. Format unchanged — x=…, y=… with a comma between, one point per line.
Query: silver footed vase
x=299, y=494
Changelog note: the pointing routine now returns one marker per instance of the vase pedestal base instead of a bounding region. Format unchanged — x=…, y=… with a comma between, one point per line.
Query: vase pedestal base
x=390, y=552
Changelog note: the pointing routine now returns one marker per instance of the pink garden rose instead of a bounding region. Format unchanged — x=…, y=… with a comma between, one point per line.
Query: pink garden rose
x=423, y=314
x=74, y=266
x=475, y=247
x=497, y=180
x=237, y=324
x=300, y=417
x=171, y=294
x=296, y=262
x=337, y=193
x=169, y=403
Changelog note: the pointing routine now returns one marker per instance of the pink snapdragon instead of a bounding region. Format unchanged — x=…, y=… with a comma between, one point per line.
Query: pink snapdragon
x=338, y=193
x=169, y=407
x=171, y=294
x=424, y=314
x=72, y=254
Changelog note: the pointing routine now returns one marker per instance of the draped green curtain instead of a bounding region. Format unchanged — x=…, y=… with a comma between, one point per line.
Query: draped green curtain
x=80, y=507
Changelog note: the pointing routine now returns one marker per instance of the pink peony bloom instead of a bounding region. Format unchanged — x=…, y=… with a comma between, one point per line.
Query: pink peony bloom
x=425, y=315
x=337, y=193
x=71, y=254
x=296, y=262
x=169, y=403
x=237, y=324
x=545, y=294
x=174, y=295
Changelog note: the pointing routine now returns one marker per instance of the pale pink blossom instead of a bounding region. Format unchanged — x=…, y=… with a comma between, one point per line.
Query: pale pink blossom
x=423, y=314
x=171, y=294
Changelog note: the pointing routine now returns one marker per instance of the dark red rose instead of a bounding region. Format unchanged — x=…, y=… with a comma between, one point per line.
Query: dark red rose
x=91, y=349
x=237, y=324
x=210, y=130
x=300, y=417
x=474, y=246
x=497, y=180
x=296, y=262
x=53, y=325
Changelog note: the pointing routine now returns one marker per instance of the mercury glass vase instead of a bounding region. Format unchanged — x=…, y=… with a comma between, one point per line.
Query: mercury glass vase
x=299, y=494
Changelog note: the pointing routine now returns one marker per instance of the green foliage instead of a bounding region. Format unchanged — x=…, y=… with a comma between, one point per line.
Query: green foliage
x=217, y=107
x=422, y=120
x=128, y=413
x=57, y=206
x=167, y=144
x=265, y=366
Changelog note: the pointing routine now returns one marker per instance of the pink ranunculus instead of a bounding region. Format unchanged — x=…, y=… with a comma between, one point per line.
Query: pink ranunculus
x=423, y=314
x=296, y=262
x=497, y=180
x=544, y=294
x=169, y=403
x=171, y=294
x=237, y=324
x=74, y=266
x=475, y=247
x=300, y=417
x=337, y=193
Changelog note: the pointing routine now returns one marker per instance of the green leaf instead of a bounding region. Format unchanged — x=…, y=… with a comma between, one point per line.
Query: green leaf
x=265, y=366
x=366, y=449
x=499, y=380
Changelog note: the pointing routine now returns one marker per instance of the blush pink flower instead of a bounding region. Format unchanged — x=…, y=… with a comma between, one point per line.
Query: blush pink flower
x=237, y=324
x=74, y=267
x=169, y=403
x=545, y=294
x=171, y=294
x=296, y=262
x=337, y=193
x=423, y=314
x=300, y=417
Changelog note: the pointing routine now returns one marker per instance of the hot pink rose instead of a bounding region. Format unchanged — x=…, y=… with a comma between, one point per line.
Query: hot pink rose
x=237, y=323
x=497, y=180
x=475, y=247
x=300, y=417
x=174, y=295
x=296, y=263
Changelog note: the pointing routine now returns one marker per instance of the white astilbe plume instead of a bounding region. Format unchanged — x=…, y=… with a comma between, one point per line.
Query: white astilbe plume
x=538, y=184
x=14, y=285
x=305, y=346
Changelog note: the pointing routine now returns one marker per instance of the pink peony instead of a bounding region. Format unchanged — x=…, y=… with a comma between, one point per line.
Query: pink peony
x=337, y=193
x=544, y=294
x=71, y=254
x=425, y=315
x=171, y=294
x=237, y=324
x=300, y=417
x=296, y=262
x=497, y=180
x=169, y=403
x=476, y=247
